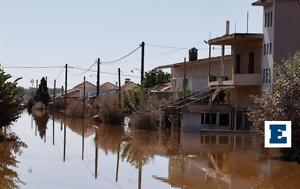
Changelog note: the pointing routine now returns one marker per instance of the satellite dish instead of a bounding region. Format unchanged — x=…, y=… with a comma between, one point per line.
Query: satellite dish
x=32, y=81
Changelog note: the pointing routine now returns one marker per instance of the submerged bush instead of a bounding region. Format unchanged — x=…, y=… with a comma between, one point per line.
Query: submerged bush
x=75, y=108
x=143, y=109
x=282, y=103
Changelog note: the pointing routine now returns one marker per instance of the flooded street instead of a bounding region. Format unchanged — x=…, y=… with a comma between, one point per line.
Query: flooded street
x=70, y=153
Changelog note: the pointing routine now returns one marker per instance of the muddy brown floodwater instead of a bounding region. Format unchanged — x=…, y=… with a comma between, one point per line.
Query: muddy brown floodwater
x=69, y=153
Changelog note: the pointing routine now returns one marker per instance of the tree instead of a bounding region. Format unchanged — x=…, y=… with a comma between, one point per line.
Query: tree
x=9, y=102
x=155, y=77
x=42, y=94
x=282, y=103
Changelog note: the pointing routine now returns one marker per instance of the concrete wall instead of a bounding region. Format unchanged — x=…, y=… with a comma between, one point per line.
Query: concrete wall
x=287, y=28
x=243, y=50
x=197, y=74
x=240, y=96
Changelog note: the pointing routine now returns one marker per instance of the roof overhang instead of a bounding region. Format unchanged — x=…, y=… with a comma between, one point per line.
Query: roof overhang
x=232, y=39
x=196, y=62
x=263, y=3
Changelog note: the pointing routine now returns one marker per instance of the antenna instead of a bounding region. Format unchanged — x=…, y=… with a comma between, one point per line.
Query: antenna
x=247, y=22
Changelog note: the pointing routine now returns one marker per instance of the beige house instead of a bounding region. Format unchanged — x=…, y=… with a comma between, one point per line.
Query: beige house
x=128, y=85
x=281, y=30
x=245, y=72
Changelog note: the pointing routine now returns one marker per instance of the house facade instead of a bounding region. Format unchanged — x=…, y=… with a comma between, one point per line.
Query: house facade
x=280, y=34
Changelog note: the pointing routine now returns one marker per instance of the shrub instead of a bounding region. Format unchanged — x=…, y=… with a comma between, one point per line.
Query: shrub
x=9, y=102
x=282, y=103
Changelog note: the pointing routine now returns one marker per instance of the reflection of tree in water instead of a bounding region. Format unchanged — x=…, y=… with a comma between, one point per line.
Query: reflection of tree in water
x=109, y=138
x=41, y=119
x=9, y=148
x=141, y=148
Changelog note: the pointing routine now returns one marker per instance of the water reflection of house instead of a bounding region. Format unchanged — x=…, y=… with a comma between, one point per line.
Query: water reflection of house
x=217, y=161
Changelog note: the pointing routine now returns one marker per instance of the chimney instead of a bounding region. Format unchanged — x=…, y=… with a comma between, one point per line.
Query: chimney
x=127, y=80
x=227, y=27
x=193, y=54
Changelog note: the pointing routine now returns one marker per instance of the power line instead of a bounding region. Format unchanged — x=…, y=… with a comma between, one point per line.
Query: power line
x=166, y=47
x=32, y=67
x=130, y=53
x=60, y=73
x=109, y=73
x=112, y=61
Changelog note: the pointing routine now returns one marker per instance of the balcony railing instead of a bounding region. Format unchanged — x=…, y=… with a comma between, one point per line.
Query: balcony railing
x=235, y=80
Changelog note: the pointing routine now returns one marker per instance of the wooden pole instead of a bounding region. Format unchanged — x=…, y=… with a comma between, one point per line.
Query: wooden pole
x=83, y=99
x=119, y=79
x=142, y=61
x=209, y=62
x=54, y=92
x=98, y=76
x=66, y=84
x=184, y=80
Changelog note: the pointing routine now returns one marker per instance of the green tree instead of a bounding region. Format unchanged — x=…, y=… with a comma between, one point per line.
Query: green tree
x=282, y=103
x=155, y=77
x=9, y=102
x=42, y=94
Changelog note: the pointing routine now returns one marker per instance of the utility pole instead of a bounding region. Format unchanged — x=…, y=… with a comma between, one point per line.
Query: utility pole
x=54, y=92
x=98, y=77
x=37, y=84
x=66, y=84
x=119, y=79
x=184, y=80
x=142, y=61
x=83, y=100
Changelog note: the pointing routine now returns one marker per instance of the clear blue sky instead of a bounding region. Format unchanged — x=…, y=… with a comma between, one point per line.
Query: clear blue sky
x=55, y=32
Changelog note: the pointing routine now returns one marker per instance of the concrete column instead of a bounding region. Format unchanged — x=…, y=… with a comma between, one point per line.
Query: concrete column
x=222, y=61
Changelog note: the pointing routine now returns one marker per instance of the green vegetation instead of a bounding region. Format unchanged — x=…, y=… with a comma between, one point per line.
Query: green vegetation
x=282, y=103
x=42, y=94
x=155, y=77
x=143, y=109
x=9, y=102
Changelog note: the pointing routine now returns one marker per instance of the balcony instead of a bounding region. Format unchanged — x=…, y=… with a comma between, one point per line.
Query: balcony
x=235, y=80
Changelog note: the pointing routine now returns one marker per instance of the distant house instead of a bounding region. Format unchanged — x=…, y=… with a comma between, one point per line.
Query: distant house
x=128, y=85
x=78, y=90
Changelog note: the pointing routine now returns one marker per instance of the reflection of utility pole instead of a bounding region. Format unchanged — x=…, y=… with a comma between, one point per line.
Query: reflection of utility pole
x=140, y=167
x=53, y=127
x=96, y=156
x=82, y=150
x=118, y=161
x=65, y=138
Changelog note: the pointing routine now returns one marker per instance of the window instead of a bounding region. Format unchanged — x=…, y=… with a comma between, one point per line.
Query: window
x=213, y=118
x=265, y=49
x=264, y=76
x=202, y=118
x=207, y=118
x=269, y=78
x=271, y=18
x=224, y=120
x=270, y=50
x=251, y=63
x=238, y=64
x=223, y=140
x=266, y=19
